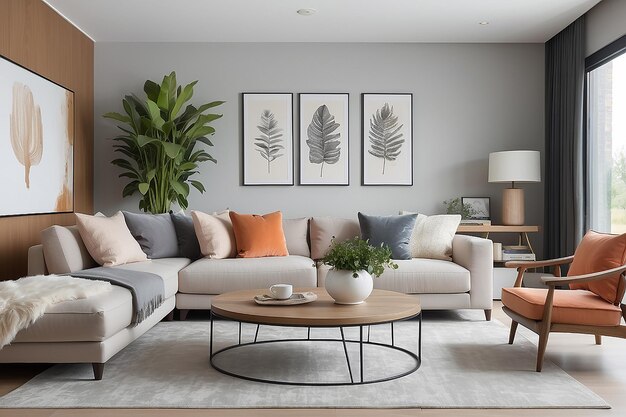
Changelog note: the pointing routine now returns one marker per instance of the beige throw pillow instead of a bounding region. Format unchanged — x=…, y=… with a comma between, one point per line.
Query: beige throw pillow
x=108, y=239
x=296, y=235
x=323, y=229
x=432, y=236
x=64, y=250
x=215, y=234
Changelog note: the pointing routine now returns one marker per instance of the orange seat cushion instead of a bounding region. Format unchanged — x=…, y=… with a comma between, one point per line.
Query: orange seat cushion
x=599, y=252
x=259, y=236
x=569, y=306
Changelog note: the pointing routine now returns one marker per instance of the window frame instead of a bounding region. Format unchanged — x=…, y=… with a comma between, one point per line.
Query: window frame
x=592, y=62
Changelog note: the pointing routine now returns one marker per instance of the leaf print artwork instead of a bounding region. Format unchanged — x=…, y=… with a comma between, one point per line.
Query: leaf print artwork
x=26, y=129
x=269, y=142
x=323, y=143
x=385, y=139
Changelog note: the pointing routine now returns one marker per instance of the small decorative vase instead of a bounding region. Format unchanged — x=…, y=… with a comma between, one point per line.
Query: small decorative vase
x=346, y=289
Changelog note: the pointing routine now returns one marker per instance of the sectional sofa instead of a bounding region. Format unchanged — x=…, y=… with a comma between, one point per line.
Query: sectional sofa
x=93, y=330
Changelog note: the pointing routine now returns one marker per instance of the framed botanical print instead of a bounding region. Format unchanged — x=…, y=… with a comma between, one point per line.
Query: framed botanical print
x=36, y=143
x=387, y=128
x=267, y=138
x=324, y=139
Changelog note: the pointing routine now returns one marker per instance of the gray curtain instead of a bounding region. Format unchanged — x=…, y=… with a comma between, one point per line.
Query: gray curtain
x=565, y=72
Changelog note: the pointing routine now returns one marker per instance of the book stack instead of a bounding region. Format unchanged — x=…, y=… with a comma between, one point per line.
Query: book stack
x=478, y=222
x=517, y=253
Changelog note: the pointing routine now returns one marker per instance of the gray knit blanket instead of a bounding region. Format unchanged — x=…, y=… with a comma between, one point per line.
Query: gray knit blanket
x=147, y=289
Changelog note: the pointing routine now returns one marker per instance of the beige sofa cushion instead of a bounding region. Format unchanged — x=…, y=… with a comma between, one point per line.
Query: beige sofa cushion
x=166, y=268
x=64, y=250
x=324, y=228
x=419, y=276
x=99, y=317
x=108, y=239
x=90, y=319
x=217, y=276
x=432, y=236
x=215, y=234
x=296, y=234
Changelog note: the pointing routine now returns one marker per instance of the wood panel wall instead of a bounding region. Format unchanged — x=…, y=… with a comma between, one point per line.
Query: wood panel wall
x=36, y=37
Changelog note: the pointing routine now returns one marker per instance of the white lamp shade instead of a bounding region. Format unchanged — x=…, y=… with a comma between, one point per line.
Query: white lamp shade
x=514, y=166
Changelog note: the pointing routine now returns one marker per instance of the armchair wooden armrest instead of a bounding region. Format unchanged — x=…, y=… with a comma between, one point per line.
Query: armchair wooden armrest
x=552, y=281
x=539, y=264
x=522, y=266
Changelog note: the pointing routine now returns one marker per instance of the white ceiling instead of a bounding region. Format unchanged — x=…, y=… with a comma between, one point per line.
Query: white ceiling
x=335, y=20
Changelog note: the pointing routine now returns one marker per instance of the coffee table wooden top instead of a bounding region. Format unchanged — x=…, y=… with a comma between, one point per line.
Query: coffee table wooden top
x=380, y=307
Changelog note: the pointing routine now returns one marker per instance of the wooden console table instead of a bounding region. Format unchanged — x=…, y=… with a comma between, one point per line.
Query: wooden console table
x=484, y=230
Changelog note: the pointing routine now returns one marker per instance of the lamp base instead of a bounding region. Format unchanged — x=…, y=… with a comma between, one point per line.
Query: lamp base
x=513, y=207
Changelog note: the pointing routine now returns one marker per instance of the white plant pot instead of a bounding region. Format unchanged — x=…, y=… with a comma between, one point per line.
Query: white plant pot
x=346, y=289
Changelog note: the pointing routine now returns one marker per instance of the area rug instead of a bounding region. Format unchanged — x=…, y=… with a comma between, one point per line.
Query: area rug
x=467, y=363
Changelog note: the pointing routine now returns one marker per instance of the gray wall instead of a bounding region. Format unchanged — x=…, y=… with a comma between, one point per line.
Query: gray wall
x=606, y=22
x=469, y=100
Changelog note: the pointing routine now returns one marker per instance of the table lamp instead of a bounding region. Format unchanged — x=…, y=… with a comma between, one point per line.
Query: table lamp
x=514, y=166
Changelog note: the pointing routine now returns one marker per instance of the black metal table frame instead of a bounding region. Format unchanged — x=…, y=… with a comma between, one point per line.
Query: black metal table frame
x=416, y=357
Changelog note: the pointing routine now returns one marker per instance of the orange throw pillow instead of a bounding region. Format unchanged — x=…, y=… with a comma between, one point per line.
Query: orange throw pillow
x=258, y=236
x=599, y=252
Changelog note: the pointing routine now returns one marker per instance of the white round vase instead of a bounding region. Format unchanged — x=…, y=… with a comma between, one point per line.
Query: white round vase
x=346, y=289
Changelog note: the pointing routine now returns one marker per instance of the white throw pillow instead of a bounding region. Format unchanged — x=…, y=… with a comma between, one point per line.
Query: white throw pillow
x=432, y=235
x=108, y=239
x=215, y=234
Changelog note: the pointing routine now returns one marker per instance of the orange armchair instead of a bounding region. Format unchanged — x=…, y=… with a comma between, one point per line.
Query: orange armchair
x=593, y=305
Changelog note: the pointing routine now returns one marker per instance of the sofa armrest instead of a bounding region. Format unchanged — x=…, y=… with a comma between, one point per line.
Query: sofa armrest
x=476, y=255
x=36, y=261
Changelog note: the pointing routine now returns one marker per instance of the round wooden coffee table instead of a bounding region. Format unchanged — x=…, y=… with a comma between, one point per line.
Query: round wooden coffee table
x=380, y=307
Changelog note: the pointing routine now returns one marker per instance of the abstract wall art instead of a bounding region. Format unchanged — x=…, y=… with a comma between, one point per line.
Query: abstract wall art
x=387, y=126
x=324, y=139
x=36, y=143
x=267, y=138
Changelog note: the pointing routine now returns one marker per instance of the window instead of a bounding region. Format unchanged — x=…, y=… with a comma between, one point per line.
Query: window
x=606, y=138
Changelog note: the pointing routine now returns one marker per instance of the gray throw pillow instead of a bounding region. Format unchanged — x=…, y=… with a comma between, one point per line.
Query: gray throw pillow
x=393, y=231
x=155, y=234
x=188, y=246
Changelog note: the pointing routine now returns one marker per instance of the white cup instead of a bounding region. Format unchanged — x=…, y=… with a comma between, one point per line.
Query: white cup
x=281, y=291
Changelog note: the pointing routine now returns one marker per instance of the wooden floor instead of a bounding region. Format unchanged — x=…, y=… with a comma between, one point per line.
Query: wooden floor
x=600, y=368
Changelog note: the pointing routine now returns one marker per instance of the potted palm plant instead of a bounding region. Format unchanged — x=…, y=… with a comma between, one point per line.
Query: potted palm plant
x=158, y=143
x=353, y=263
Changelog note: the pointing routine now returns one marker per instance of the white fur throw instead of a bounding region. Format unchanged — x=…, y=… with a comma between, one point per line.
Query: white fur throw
x=25, y=300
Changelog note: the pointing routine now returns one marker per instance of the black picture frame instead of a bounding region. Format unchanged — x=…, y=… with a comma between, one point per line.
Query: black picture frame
x=342, y=175
x=252, y=173
x=485, y=206
x=370, y=105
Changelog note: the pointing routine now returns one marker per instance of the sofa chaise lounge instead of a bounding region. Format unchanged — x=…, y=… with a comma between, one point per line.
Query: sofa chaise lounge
x=94, y=329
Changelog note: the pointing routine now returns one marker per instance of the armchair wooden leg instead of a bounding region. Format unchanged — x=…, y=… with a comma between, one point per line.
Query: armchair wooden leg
x=543, y=342
x=598, y=339
x=183, y=314
x=98, y=370
x=512, y=332
x=488, y=314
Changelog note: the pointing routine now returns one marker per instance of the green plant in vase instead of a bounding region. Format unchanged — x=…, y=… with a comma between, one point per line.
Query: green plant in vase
x=358, y=255
x=353, y=263
x=158, y=143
